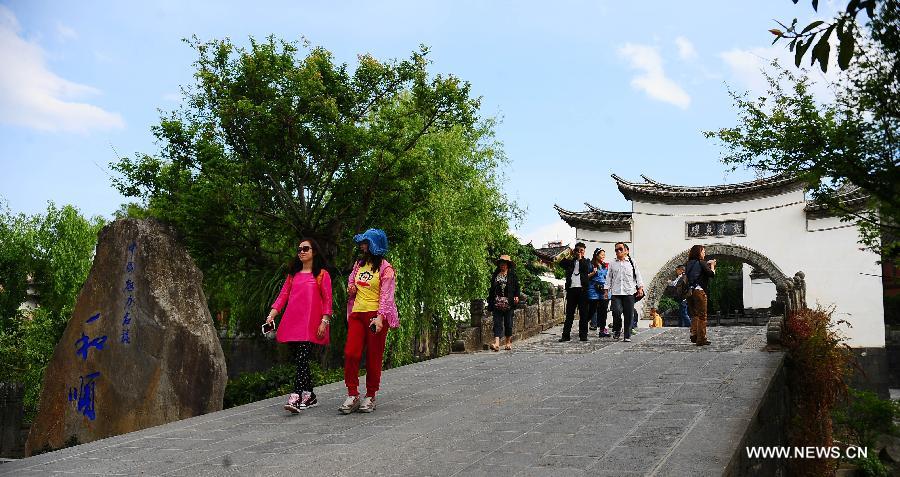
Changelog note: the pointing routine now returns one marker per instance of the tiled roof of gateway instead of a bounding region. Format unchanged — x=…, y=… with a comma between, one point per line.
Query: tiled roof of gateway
x=849, y=197
x=715, y=193
x=595, y=219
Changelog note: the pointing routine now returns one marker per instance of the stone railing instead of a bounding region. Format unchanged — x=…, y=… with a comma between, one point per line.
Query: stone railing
x=790, y=298
x=527, y=321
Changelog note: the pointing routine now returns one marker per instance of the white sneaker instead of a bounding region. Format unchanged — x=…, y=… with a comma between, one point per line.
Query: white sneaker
x=368, y=404
x=627, y=340
x=351, y=404
x=293, y=403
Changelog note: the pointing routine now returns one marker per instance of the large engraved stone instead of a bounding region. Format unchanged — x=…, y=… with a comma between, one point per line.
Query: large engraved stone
x=140, y=349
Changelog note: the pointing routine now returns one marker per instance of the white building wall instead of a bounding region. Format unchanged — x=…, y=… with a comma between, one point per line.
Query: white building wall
x=838, y=272
x=757, y=292
x=604, y=240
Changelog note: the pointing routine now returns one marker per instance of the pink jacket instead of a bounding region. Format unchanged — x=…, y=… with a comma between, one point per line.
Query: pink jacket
x=307, y=300
x=387, y=307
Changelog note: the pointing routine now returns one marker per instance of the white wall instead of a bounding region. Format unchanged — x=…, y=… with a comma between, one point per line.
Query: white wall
x=837, y=271
x=604, y=240
x=757, y=292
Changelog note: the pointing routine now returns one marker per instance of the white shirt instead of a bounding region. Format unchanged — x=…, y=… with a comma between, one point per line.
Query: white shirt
x=576, y=274
x=620, y=280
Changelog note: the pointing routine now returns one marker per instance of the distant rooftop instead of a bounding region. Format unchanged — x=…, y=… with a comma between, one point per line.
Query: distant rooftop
x=551, y=252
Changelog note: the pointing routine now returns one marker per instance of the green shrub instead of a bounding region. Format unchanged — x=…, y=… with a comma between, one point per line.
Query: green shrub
x=277, y=381
x=666, y=304
x=871, y=466
x=864, y=416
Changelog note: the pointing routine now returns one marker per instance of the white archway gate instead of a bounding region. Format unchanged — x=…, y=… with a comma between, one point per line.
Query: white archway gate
x=661, y=279
x=767, y=223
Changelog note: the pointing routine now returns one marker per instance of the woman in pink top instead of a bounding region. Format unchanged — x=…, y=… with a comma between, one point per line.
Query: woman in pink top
x=307, y=294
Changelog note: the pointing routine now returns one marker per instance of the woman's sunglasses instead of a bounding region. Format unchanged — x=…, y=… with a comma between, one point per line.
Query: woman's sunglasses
x=304, y=249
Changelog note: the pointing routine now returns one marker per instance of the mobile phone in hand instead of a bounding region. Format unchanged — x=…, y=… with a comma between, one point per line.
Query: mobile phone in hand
x=374, y=328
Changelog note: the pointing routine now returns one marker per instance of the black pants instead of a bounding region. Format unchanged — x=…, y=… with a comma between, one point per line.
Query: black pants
x=302, y=379
x=622, y=305
x=601, y=308
x=503, y=322
x=576, y=298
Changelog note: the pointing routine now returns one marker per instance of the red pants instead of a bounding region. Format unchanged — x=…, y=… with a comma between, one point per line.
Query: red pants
x=358, y=334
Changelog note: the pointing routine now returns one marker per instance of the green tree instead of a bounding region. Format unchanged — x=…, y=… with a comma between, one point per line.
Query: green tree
x=839, y=146
x=724, y=288
x=16, y=243
x=272, y=145
x=52, y=254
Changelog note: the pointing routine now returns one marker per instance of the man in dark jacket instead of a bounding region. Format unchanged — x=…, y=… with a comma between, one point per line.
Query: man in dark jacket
x=577, y=269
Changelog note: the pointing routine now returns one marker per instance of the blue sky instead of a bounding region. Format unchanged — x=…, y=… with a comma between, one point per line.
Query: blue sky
x=582, y=89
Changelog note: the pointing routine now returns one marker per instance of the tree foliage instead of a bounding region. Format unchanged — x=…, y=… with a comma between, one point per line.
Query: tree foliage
x=820, y=32
x=272, y=145
x=725, y=294
x=850, y=142
x=51, y=254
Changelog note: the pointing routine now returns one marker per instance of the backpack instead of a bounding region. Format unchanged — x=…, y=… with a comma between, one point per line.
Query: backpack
x=683, y=288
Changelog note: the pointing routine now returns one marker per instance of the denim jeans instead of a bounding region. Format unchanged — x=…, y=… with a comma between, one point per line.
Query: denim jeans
x=685, y=319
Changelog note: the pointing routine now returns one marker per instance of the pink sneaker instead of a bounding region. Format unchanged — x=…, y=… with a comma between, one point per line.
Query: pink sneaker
x=293, y=403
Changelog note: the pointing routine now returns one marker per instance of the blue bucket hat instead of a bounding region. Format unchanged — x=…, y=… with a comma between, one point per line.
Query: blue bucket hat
x=378, y=242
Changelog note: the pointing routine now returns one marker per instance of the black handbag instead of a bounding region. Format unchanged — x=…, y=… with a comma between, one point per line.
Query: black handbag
x=637, y=295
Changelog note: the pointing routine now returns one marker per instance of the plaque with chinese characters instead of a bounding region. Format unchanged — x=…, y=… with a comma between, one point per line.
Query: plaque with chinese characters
x=716, y=228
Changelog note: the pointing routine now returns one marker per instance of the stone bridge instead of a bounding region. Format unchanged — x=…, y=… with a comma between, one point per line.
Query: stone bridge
x=656, y=406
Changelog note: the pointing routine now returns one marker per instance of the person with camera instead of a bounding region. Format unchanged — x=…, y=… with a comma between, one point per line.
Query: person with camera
x=597, y=305
x=503, y=297
x=577, y=269
x=307, y=294
x=623, y=287
x=698, y=272
x=371, y=310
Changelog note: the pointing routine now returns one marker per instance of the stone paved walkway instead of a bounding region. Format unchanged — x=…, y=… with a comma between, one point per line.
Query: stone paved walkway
x=656, y=406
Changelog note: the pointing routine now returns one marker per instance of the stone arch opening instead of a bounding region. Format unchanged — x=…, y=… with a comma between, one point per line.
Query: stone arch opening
x=752, y=257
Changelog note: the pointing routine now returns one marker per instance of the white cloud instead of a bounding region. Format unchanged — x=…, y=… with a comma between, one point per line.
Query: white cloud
x=33, y=96
x=551, y=232
x=65, y=33
x=746, y=68
x=653, y=79
x=686, y=50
